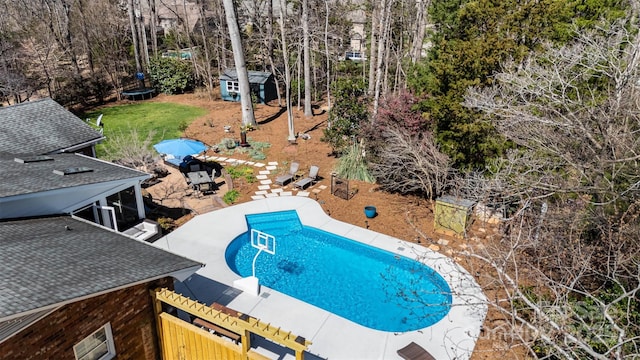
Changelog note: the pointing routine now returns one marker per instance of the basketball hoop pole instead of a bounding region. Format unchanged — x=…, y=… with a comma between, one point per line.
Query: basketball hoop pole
x=253, y=266
x=261, y=241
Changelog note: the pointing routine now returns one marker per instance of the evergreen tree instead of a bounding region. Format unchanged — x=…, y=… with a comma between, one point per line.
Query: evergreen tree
x=471, y=41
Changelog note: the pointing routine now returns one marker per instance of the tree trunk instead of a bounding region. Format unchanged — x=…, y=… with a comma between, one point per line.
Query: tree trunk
x=421, y=25
x=287, y=72
x=134, y=38
x=326, y=51
x=248, y=118
x=143, y=34
x=385, y=14
x=307, y=66
x=205, y=47
x=373, y=51
x=269, y=26
x=153, y=28
x=85, y=35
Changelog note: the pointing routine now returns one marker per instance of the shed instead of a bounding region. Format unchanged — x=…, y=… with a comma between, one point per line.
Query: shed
x=452, y=215
x=262, y=84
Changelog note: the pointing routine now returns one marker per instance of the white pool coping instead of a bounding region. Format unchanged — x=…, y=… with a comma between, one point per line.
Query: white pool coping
x=205, y=238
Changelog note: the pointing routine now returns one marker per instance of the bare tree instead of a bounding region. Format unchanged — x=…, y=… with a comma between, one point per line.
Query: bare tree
x=136, y=41
x=327, y=54
x=270, y=47
x=307, y=66
x=420, y=28
x=376, y=18
x=287, y=71
x=411, y=163
x=131, y=149
x=248, y=118
x=553, y=105
x=384, y=25
x=565, y=266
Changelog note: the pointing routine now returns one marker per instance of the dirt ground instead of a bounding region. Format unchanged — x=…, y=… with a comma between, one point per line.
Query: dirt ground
x=404, y=217
x=408, y=218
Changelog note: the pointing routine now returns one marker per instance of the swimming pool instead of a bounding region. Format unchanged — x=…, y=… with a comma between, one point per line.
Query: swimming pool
x=364, y=284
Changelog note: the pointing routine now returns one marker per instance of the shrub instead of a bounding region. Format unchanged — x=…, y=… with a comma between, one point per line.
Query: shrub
x=241, y=172
x=347, y=114
x=231, y=196
x=171, y=75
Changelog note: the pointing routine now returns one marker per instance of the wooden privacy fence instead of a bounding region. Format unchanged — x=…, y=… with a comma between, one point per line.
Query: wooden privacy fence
x=182, y=340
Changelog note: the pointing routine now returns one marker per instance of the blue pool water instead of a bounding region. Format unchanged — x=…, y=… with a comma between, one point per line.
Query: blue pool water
x=364, y=284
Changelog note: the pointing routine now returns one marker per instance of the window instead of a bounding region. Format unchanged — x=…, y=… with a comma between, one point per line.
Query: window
x=354, y=55
x=97, y=346
x=233, y=86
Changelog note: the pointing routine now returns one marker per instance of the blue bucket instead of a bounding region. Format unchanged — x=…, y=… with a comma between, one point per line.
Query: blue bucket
x=370, y=211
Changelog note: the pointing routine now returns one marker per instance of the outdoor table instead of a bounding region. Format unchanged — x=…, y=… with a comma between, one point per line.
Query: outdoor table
x=198, y=178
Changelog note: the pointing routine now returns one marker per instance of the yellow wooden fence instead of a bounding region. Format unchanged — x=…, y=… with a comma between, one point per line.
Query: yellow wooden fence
x=182, y=340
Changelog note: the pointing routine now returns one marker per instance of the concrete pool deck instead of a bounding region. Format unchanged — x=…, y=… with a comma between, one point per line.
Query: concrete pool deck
x=205, y=239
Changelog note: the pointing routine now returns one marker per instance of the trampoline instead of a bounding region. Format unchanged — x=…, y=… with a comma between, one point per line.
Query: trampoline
x=138, y=94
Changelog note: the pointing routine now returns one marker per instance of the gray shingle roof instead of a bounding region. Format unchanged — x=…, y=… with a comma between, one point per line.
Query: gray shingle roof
x=255, y=77
x=26, y=178
x=42, y=127
x=50, y=261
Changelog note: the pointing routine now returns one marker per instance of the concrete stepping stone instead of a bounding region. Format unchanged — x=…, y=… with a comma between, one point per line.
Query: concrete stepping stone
x=270, y=195
x=262, y=177
x=270, y=167
x=322, y=187
x=241, y=161
x=257, y=197
x=303, y=193
x=266, y=182
x=286, y=193
x=264, y=187
x=222, y=158
x=316, y=190
x=276, y=190
x=443, y=242
x=258, y=164
x=272, y=163
x=250, y=163
x=262, y=192
x=264, y=172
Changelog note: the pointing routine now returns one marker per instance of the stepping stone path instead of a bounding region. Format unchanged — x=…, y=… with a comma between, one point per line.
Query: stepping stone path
x=264, y=188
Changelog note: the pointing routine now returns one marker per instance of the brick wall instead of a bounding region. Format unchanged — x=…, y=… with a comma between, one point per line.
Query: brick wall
x=130, y=312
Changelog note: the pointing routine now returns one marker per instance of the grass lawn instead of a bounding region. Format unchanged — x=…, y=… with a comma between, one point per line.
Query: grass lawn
x=167, y=120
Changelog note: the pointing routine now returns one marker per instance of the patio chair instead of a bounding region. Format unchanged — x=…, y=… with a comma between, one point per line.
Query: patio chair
x=414, y=351
x=285, y=178
x=313, y=175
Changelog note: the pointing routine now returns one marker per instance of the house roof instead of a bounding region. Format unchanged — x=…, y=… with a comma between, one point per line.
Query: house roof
x=49, y=262
x=42, y=127
x=255, y=77
x=18, y=178
x=186, y=11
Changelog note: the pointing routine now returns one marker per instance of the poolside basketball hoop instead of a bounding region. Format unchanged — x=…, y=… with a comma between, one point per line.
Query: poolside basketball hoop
x=263, y=242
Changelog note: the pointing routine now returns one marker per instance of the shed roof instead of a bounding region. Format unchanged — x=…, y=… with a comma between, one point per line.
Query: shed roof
x=17, y=178
x=42, y=127
x=255, y=77
x=49, y=262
